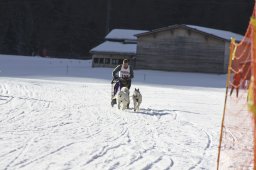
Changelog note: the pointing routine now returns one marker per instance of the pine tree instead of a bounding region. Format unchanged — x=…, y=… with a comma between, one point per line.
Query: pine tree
x=9, y=44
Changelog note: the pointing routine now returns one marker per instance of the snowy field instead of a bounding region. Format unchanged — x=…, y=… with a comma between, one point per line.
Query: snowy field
x=56, y=114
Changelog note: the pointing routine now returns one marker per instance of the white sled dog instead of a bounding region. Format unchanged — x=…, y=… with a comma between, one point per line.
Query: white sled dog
x=137, y=99
x=122, y=97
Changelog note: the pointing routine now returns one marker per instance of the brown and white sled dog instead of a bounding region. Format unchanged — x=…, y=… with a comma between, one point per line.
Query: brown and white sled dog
x=122, y=98
x=137, y=99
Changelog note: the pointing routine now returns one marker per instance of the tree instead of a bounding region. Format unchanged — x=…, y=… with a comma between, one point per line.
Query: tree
x=9, y=43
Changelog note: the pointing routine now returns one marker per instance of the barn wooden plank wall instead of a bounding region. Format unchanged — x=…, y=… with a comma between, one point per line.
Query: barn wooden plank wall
x=182, y=50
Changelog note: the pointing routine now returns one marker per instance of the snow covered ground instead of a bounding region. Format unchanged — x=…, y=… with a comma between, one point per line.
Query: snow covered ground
x=56, y=114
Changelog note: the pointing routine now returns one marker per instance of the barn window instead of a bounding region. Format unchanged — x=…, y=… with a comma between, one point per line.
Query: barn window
x=120, y=61
x=107, y=60
x=96, y=60
x=101, y=60
x=114, y=61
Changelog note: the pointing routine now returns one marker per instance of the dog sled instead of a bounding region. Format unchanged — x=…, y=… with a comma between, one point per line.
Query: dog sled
x=113, y=84
x=115, y=87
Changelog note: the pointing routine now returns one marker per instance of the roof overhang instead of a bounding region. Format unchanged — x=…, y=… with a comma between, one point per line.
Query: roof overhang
x=192, y=28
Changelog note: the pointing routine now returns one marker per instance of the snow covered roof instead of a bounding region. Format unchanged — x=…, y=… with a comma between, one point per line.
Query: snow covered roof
x=219, y=33
x=126, y=42
x=226, y=35
x=123, y=34
x=115, y=47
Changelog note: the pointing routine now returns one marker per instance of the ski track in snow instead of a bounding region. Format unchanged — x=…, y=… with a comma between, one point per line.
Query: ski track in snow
x=50, y=125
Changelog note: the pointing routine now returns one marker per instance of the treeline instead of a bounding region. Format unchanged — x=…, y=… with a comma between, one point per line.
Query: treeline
x=65, y=28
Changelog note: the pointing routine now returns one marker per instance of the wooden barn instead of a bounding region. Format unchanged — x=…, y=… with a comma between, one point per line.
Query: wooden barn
x=119, y=44
x=184, y=48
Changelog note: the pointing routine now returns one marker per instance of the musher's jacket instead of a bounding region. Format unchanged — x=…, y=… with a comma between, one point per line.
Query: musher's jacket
x=122, y=72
